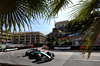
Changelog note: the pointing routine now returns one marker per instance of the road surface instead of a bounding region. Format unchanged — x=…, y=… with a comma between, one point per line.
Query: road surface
x=17, y=57
x=62, y=58
x=77, y=60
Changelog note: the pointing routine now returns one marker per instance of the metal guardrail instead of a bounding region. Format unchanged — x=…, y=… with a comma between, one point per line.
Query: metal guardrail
x=72, y=47
x=3, y=47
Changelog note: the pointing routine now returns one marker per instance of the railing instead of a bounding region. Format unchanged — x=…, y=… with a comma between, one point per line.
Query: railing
x=72, y=47
x=19, y=46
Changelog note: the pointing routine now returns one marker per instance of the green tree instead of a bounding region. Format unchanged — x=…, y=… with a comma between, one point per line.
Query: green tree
x=89, y=12
x=85, y=11
x=50, y=39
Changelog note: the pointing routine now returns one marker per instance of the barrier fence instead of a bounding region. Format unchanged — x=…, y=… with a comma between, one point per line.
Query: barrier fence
x=19, y=46
x=72, y=47
x=4, y=47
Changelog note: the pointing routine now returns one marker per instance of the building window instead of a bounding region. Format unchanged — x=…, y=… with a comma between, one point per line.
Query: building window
x=22, y=36
x=63, y=26
x=32, y=41
x=37, y=38
x=28, y=36
x=22, y=39
x=58, y=26
x=32, y=38
x=37, y=35
x=32, y=35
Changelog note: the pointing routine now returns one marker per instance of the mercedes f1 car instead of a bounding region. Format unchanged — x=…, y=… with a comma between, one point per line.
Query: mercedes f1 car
x=42, y=55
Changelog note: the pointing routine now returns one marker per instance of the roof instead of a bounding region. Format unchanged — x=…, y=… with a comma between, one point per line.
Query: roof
x=62, y=22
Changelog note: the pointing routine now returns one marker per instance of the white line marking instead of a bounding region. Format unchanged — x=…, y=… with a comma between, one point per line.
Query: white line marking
x=67, y=53
x=12, y=54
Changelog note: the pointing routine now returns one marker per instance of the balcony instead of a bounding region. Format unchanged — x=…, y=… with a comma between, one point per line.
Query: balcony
x=32, y=35
x=28, y=36
x=37, y=35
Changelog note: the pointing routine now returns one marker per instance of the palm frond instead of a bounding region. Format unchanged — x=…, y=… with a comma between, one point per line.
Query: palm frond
x=15, y=13
x=87, y=12
x=86, y=9
x=57, y=5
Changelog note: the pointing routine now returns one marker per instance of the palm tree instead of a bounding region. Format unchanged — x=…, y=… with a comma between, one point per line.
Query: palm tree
x=17, y=13
x=84, y=12
x=87, y=11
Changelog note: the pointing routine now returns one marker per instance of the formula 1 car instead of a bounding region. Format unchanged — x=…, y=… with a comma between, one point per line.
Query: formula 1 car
x=42, y=55
x=31, y=50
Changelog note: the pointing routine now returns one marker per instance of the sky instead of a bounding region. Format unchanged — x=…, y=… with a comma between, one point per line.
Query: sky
x=47, y=27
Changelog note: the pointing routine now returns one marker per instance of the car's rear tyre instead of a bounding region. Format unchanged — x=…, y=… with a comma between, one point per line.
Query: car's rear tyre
x=30, y=57
x=38, y=57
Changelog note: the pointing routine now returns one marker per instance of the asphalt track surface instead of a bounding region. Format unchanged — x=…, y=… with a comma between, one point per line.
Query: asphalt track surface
x=18, y=57
x=62, y=58
x=77, y=60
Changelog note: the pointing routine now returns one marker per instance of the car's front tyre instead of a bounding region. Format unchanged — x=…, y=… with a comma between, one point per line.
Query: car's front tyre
x=26, y=54
x=43, y=59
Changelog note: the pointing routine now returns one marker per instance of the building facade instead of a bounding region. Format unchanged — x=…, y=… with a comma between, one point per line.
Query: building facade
x=28, y=38
x=4, y=39
x=61, y=24
x=59, y=28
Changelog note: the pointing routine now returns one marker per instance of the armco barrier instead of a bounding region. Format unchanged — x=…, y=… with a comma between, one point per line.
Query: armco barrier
x=24, y=47
x=19, y=46
x=72, y=47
